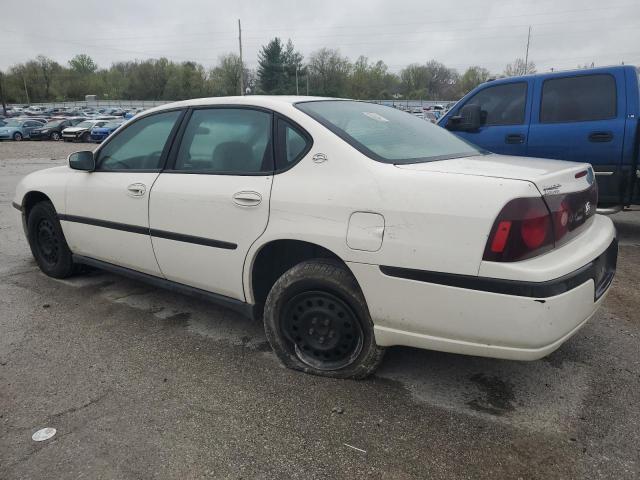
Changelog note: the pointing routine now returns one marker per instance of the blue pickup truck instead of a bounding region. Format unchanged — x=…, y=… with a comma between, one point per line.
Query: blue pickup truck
x=583, y=115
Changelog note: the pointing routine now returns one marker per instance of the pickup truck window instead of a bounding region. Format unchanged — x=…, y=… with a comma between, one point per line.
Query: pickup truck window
x=578, y=99
x=501, y=104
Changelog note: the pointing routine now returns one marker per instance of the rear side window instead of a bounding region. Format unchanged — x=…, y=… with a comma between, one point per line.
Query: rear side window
x=226, y=140
x=502, y=104
x=292, y=144
x=578, y=99
x=386, y=134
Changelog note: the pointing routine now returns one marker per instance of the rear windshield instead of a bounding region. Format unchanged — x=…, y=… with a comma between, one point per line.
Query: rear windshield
x=386, y=134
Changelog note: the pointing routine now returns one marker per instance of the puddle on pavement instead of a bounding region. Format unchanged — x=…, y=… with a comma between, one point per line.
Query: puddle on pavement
x=176, y=310
x=536, y=395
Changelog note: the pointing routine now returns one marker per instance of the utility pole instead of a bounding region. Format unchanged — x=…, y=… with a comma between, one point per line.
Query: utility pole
x=526, y=56
x=307, y=76
x=297, y=91
x=25, y=90
x=4, y=105
x=241, y=64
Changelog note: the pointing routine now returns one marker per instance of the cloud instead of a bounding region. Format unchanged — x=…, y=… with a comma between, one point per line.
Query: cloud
x=462, y=33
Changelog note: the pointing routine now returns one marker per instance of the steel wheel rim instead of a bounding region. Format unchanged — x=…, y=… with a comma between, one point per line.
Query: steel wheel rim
x=47, y=241
x=325, y=332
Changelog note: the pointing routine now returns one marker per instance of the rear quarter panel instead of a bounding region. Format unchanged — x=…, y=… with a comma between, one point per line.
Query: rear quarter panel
x=433, y=220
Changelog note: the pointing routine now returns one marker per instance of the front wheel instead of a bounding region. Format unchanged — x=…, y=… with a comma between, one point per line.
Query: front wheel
x=317, y=321
x=47, y=241
x=17, y=137
x=86, y=137
x=55, y=136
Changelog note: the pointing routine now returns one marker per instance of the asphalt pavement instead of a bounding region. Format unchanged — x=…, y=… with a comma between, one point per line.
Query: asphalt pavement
x=143, y=383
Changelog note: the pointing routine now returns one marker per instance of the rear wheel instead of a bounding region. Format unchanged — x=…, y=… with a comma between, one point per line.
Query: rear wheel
x=317, y=321
x=47, y=241
x=17, y=137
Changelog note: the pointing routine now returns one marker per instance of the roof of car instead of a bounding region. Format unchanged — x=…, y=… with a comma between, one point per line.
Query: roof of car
x=254, y=100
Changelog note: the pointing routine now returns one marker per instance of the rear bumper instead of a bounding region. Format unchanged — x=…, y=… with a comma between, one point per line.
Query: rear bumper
x=485, y=320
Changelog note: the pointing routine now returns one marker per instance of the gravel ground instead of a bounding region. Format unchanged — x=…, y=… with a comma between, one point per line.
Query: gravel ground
x=143, y=383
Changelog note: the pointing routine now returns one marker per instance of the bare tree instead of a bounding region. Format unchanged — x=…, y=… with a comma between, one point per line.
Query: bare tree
x=519, y=67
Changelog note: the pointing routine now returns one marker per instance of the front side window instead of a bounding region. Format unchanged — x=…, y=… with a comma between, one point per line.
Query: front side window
x=501, y=104
x=386, y=134
x=578, y=99
x=292, y=144
x=226, y=140
x=140, y=145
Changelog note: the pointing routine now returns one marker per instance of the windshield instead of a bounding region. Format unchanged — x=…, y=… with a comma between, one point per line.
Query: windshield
x=55, y=123
x=84, y=124
x=386, y=134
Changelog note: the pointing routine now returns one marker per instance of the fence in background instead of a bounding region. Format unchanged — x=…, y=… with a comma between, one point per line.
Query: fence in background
x=155, y=103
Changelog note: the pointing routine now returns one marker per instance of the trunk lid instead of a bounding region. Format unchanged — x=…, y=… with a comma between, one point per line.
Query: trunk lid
x=552, y=177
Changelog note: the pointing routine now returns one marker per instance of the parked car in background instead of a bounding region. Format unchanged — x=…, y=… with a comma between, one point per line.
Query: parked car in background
x=431, y=116
x=204, y=197
x=82, y=131
x=19, y=128
x=100, y=133
x=588, y=115
x=52, y=130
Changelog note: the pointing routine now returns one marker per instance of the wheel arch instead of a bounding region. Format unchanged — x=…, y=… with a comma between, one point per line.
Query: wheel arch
x=31, y=198
x=271, y=259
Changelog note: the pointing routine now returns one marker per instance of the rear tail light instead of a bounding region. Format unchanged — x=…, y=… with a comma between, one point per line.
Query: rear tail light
x=522, y=229
x=527, y=227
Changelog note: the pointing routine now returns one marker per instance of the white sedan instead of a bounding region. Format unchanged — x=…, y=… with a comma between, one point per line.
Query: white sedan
x=347, y=226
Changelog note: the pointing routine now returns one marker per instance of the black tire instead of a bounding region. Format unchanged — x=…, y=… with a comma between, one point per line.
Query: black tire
x=17, y=137
x=317, y=321
x=86, y=137
x=55, y=136
x=47, y=241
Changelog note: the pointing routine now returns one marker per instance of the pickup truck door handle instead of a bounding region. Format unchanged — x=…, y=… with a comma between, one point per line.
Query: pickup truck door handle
x=137, y=189
x=600, y=137
x=514, y=138
x=247, y=198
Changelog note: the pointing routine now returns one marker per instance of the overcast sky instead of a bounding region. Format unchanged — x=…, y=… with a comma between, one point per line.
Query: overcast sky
x=490, y=33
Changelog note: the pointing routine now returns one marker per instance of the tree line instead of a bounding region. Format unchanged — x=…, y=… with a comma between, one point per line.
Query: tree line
x=281, y=70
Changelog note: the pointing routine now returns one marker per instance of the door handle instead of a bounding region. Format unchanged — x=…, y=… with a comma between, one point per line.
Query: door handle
x=600, y=137
x=247, y=198
x=137, y=189
x=516, y=138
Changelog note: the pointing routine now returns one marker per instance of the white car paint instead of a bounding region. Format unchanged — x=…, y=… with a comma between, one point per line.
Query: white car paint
x=433, y=216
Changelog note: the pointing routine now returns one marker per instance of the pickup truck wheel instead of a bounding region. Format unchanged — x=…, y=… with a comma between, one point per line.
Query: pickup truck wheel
x=317, y=321
x=47, y=241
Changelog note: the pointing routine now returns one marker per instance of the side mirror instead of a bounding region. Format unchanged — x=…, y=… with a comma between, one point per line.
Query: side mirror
x=82, y=161
x=471, y=117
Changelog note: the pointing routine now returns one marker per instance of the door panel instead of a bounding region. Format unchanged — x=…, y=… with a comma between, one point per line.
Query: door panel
x=505, y=110
x=581, y=118
x=203, y=206
x=107, y=210
x=105, y=197
x=212, y=203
